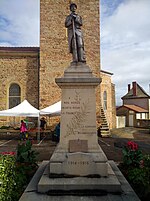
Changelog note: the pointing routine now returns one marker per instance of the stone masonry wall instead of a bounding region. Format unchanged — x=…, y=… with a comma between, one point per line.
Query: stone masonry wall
x=22, y=70
x=54, y=53
x=113, y=97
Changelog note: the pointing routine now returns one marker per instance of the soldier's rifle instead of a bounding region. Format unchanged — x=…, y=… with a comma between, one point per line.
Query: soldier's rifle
x=74, y=39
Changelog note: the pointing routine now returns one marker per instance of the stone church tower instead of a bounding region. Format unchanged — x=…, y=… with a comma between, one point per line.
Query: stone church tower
x=54, y=53
x=30, y=72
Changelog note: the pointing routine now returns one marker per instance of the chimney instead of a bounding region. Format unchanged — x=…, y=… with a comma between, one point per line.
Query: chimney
x=134, y=88
x=129, y=87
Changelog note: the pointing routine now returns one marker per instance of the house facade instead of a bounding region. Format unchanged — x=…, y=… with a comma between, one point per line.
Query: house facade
x=135, y=106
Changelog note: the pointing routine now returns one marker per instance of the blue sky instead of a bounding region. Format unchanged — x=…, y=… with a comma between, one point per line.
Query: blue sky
x=125, y=42
x=19, y=22
x=125, y=36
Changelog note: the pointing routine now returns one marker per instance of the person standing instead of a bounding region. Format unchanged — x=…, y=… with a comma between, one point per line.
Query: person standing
x=23, y=130
x=42, y=125
x=56, y=133
x=73, y=23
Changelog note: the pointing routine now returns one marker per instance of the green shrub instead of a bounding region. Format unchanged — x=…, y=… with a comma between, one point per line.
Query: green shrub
x=25, y=154
x=140, y=178
x=16, y=172
x=132, y=156
x=11, y=181
x=26, y=159
x=4, y=127
x=136, y=168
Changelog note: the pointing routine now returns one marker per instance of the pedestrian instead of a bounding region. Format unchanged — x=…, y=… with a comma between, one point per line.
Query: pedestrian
x=23, y=130
x=42, y=125
x=56, y=134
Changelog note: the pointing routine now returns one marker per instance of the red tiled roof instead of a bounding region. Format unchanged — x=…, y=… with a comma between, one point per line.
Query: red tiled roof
x=135, y=108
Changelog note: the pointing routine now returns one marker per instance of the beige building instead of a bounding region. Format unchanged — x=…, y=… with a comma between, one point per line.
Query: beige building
x=30, y=72
x=135, y=108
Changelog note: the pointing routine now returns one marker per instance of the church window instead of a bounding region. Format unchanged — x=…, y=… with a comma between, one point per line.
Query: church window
x=14, y=95
x=105, y=100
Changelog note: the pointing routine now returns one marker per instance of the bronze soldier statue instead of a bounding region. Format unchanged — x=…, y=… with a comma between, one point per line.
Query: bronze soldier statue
x=75, y=36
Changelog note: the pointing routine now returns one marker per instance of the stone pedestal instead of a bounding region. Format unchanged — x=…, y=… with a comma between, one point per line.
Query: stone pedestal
x=61, y=189
x=78, y=107
x=78, y=154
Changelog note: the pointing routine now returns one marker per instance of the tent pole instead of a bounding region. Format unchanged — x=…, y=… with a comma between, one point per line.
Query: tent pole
x=38, y=135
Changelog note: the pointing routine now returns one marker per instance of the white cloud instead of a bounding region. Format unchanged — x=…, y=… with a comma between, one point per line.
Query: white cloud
x=125, y=44
x=125, y=36
x=23, y=28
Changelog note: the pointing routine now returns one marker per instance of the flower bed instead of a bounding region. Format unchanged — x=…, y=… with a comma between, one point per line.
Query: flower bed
x=136, y=169
x=16, y=170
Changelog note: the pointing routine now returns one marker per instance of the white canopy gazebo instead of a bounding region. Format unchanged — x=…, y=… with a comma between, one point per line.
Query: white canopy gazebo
x=52, y=110
x=23, y=109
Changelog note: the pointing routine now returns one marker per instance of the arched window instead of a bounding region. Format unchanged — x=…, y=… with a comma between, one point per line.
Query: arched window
x=14, y=95
x=105, y=100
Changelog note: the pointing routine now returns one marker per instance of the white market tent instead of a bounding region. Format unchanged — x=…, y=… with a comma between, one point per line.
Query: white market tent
x=52, y=110
x=27, y=110
x=23, y=109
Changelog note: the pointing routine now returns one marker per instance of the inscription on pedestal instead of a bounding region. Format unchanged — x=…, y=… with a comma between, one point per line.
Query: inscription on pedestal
x=78, y=112
x=78, y=146
x=78, y=164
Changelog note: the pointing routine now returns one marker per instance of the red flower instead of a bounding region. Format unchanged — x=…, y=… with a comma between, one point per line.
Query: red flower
x=8, y=153
x=132, y=145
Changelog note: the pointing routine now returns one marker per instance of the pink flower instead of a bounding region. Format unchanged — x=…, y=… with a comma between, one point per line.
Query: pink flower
x=141, y=163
